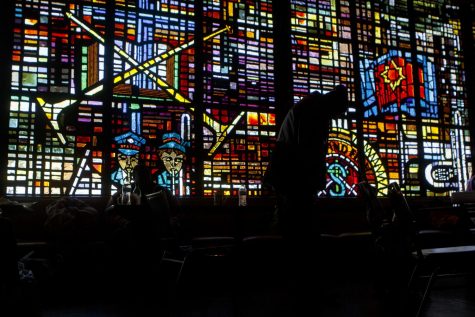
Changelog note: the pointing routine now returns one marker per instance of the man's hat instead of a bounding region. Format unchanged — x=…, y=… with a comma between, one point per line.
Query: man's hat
x=129, y=143
x=173, y=140
x=337, y=97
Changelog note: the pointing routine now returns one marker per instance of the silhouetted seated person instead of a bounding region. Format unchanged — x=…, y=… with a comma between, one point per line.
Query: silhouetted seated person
x=135, y=204
x=136, y=230
x=296, y=173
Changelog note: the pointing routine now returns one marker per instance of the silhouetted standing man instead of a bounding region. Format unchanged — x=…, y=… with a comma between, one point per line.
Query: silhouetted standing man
x=296, y=172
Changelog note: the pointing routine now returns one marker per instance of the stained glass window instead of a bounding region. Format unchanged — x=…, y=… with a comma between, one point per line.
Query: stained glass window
x=153, y=92
x=98, y=88
x=238, y=92
x=322, y=58
x=47, y=153
x=414, y=100
x=187, y=88
x=411, y=100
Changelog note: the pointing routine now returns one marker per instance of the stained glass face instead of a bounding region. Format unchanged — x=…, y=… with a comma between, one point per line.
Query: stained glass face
x=153, y=93
x=99, y=89
x=187, y=89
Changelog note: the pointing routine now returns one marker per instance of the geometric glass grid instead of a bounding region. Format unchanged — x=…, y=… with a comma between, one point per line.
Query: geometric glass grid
x=238, y=80
x=187, y=89
x=96, y=91
x=321, y=59
x=153, y=93
x=46, y=154
x=415, y=110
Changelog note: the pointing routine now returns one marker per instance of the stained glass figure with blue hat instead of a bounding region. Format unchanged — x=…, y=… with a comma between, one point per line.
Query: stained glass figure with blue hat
x=128, y=148
x=172, y=154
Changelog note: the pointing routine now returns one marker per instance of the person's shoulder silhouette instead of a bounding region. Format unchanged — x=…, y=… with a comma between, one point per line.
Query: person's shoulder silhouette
x=298, y=159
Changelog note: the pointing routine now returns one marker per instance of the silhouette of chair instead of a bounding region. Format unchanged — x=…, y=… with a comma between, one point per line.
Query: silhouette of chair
x=173, y=251
x=181, y=253
x=8, y=253
x=429, y=263
x=465, y=200
x=388, y=253
x=376, y=215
